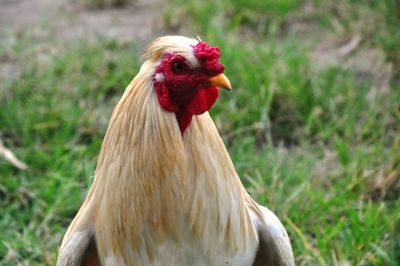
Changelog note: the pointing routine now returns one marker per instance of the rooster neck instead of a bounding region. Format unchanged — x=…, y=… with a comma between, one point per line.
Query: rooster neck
x=152, y=183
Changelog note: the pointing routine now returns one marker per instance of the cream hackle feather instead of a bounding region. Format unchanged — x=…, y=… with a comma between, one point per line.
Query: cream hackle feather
x=156, y=191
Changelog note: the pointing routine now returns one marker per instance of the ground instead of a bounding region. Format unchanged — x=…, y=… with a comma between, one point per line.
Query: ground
x=54, y=23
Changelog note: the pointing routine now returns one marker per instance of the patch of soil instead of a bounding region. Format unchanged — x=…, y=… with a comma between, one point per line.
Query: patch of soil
x=61, y=21
x=68, y=20
x=368, y=63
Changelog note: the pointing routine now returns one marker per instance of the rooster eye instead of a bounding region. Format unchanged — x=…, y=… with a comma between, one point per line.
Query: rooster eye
x=178, y=66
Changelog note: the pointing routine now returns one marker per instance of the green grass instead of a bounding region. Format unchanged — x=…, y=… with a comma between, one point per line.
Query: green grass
x=309, y=143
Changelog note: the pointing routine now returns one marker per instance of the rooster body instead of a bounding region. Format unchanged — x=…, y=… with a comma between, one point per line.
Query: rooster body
x=165, y=190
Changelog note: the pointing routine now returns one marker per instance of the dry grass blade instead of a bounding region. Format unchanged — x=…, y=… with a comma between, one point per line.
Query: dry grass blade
x=350, y=46
x=9, y=156
x=386, y=183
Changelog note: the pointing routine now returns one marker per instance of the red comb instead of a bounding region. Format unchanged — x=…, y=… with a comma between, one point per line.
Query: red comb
x=208, y=57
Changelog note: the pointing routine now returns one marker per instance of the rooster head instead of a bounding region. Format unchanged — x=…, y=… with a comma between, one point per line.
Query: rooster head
x=186, y=77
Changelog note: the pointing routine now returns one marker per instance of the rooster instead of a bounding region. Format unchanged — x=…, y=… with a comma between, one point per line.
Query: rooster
x=165, y=190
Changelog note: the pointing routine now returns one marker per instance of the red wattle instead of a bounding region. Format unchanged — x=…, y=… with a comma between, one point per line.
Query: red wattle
x=184, y=120
x=202, y=101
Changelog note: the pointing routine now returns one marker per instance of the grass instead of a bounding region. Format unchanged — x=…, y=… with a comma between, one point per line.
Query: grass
x=319, y=146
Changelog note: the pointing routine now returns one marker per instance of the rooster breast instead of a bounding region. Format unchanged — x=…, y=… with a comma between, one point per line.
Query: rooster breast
x=210, y=223
x=190, y=253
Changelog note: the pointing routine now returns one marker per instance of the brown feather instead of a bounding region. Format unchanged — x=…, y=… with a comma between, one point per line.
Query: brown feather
x=91, y=257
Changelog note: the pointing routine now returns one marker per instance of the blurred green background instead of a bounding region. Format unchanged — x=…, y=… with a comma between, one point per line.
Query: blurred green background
x=312, y=124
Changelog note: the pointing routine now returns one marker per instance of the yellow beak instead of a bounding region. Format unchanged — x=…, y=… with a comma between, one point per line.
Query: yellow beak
x=221, y=81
